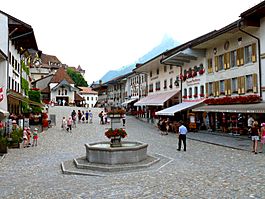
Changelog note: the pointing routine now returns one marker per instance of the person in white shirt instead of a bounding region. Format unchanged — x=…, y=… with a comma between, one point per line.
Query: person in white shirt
x=182, y=135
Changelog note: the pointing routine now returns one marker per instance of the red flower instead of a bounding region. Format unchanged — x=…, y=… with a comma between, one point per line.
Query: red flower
x=202, y=95
x=116, y=132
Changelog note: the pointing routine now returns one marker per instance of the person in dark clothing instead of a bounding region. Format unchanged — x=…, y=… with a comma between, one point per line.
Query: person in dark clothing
x=255, y=136
x=182, y=135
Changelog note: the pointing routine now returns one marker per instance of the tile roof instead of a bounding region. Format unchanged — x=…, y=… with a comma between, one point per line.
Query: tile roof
x=46, y=90
x=60, y=75
x=87, y=90
x=49, y=58
x=78, y=97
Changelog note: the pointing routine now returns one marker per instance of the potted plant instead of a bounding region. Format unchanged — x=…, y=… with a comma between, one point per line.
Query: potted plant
x=3, y=144
x=115, y=136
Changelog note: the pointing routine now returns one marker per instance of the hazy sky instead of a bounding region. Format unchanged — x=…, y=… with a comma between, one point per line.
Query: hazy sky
x=101, y=35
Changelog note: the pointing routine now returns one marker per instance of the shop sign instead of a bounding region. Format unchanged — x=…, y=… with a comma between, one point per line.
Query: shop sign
x=193, y=82
x=1, y=94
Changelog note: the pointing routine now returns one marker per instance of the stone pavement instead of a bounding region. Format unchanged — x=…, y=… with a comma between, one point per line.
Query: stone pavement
x=204, y=171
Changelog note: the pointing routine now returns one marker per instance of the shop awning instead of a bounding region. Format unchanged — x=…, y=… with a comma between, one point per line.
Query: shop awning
x=156, y=99
x=128, y=102
x=233, y=108
x=179, y=107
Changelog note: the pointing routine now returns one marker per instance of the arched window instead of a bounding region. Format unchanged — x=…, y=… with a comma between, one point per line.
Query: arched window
x=59, y=92
x=65, y=92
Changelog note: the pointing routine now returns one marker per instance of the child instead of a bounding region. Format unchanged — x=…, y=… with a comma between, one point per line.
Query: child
x=35, y=137
x=83, y=117
x=69, y=124
x=262, y=136
x=64, y=123
x=25, y=138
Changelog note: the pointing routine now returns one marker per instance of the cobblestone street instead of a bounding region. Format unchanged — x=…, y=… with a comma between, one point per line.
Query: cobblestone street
x=204, y=171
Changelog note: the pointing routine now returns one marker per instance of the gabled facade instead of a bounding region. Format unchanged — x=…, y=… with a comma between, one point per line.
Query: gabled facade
x=90, y=96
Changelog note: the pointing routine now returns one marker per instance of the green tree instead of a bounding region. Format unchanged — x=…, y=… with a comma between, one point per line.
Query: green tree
x=77, y=77
x=35, y=95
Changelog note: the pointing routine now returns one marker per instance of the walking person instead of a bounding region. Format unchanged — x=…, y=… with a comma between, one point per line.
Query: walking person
x=25, y=138
x=123, y=119
x=28, y=136
x=35, y=137
x=64, y=123
x=262, y=137
x=87, y=115
x=255, y=136
x=83, y=117
x=79, y=115
x=69, y=124
x=182, y=135
x=101, y=121
x=90, y=116
x=250, y=124
x=73, y=114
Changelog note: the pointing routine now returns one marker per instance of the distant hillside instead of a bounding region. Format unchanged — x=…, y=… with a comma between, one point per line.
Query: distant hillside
x=166, y=44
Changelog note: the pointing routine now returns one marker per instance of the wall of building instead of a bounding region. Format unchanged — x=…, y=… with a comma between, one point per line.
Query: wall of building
x=91, y=99
x=262, y=52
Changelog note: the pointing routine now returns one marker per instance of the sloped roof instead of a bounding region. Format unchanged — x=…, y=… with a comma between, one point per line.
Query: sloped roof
x=46, y=90
x=87, y=90
x=78, y=97
x=49, y=58
x=60, y=75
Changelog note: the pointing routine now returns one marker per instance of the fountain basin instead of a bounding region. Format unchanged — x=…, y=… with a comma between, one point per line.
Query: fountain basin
x=129, y=152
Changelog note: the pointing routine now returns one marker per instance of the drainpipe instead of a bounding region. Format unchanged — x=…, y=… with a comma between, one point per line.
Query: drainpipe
x=239, y=28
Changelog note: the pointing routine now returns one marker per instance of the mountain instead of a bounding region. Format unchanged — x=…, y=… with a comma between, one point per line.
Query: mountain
x=166, y=44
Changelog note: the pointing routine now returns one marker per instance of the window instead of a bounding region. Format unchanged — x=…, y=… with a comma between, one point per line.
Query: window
x=190, y=92
x=151, y=74
x=151, y=88
x=195, y=92
x=234, y=85
x=157, y=86
x=201, y=91
x=248, y=54
x=15, y=86
x=210, y=65
x=15, y=64
x=18, y=90
x=13, y=60
x=96, y=98
x=233, y=59
x=59, y=92
x=240, y=57
x=165, y=84
x=221, y=62
x=222, y=87
x=185, y=93
x=170, y=83
x=9, y=57
x=170, y=67
x=210, y=89
x=91, y=98
x=157, y=71
x=165, y=68
x=249, y=83
x=65, y=92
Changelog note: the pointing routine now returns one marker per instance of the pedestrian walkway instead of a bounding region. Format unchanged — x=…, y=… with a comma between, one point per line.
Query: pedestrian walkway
x=226, y=140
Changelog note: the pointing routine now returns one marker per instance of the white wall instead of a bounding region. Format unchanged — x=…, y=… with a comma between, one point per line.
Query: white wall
x=262, y=46
x=4, y=33
x=88, y=97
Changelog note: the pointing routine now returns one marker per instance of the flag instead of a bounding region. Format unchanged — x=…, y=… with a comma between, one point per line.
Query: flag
x=1, y=94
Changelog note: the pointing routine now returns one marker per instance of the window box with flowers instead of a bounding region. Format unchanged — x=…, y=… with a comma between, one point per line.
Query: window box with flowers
x=195, y=95
x=184, y=96
x=190, y=96
x=202, y=95
x=170, y=86
x=115, y=136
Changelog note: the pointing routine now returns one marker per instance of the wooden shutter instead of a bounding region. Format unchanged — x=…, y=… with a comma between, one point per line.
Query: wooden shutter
x=216, y=63
x=206, y=89
x=238, y=85
x=254, y=52
x=229, y=86
x=228, y=60
x=238, y=57
x=243, y=84
x=255, y=83
x=241, y=56
x=217, y=88
x=225, y=61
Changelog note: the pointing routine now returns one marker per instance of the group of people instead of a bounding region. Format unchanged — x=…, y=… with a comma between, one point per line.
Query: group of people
x=27, y=134
x=76, y=117
x=165, y=126
x=257, y=133
x=104, y=119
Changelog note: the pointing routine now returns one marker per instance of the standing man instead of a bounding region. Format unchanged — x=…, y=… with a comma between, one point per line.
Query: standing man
x=182, y=135
x=250, y=124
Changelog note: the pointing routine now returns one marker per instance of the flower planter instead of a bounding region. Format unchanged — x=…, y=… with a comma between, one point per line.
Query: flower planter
x=3, y=148
x=115, y=141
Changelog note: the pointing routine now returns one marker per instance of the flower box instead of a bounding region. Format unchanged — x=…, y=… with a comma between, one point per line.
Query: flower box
x=195, y=96
x=190, y=96
x=201, y=95
x=184, y=97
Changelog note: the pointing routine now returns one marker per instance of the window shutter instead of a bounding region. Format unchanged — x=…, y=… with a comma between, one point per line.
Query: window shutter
x=214, y=89
x=254, y=52
x=238, y=85
x=217, y=89
x=229, y=86
x=228, y=60
x=241, y=56
x=206, y=89
x=225, y=61
x=209, y=66
x=216, y=63
x=255, y=83
x=238, y=57
x=243, y=84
